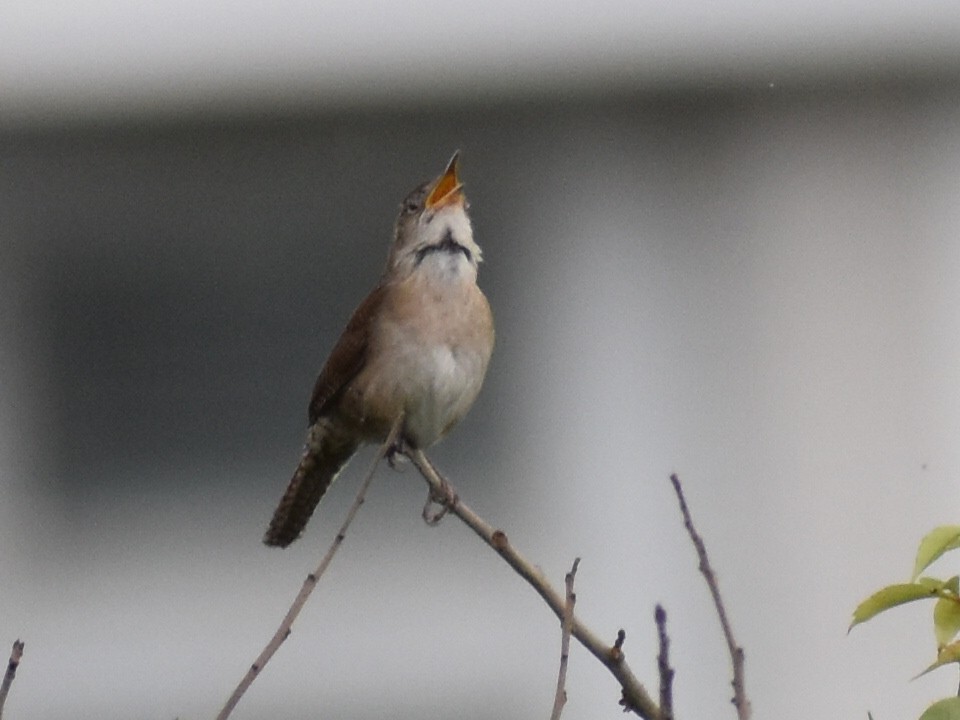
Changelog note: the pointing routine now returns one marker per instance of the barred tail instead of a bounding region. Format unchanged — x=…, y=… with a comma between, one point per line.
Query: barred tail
x=328, y=449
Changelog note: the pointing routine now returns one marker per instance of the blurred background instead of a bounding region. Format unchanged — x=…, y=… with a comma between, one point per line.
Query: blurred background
x=722, y=239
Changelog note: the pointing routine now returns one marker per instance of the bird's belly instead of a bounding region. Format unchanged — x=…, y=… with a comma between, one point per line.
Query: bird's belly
x=433, y=386
x=436, y=386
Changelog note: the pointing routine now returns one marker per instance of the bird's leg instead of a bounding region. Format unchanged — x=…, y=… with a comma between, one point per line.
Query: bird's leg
x=392, y=452
x=445, y=496
x=399, y=446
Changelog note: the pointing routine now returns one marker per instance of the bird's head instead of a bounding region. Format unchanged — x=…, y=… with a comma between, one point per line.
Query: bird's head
x=433, y=228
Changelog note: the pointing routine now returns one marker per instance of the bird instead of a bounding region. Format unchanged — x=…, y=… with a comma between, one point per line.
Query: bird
x=416, y=347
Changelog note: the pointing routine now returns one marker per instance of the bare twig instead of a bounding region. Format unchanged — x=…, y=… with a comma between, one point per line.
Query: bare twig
x=12, y=664
x=663, y=664
x=740, y=700
x=635, y=696
x=283, y=632
x=566, y=624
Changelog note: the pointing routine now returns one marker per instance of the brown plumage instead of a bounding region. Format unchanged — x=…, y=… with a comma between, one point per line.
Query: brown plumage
x=327, y=450
x=330, y=444
x=419, y=345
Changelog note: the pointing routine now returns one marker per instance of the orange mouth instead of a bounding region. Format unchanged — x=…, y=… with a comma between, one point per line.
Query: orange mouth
x=448, y=188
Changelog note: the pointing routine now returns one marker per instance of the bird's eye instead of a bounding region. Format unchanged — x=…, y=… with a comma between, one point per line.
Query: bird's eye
x=413, y=203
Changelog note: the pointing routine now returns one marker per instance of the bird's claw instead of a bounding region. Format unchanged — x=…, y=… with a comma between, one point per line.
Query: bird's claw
x=445, y=496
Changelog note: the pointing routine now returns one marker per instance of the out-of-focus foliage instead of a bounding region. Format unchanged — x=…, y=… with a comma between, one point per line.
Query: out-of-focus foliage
x=946, y=609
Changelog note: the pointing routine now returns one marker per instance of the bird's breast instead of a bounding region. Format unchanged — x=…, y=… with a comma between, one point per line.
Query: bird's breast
x=429, y=354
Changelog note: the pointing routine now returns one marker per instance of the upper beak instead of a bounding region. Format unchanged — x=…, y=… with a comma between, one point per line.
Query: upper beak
x=448, y=188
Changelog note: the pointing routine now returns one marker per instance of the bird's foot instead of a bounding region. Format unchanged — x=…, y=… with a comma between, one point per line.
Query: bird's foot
x=444, y=496
x=400, y=448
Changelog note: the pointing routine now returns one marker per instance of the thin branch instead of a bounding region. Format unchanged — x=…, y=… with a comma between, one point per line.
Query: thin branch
x=740, y=700
x=663, y=664
x=635, y=696
x=12, y=664
x=283, y=632
x=566, y=624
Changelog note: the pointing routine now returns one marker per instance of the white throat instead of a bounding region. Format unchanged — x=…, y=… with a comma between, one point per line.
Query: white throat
x=444, y=248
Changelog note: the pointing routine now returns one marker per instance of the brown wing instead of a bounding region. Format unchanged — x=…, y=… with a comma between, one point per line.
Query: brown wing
x=348, y=355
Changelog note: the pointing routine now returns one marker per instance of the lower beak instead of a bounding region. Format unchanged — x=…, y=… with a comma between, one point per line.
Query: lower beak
x=448, y=188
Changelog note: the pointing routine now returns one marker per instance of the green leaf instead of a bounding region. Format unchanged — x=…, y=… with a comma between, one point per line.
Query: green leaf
x=889, y=597
x=947, y=654
x=932, y=583
x=936, y=543
x=946, y=620
x=947, y=709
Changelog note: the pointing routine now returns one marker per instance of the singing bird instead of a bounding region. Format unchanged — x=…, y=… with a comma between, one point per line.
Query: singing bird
x=418, y=345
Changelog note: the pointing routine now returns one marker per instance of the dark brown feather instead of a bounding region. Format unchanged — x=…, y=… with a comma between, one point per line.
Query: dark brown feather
x=348, y=355
x=328, y=449
x=329, y=444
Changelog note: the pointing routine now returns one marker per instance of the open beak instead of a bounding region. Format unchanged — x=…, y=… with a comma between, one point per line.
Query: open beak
x=448, y=189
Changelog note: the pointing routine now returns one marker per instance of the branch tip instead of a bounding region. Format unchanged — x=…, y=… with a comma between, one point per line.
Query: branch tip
x=740, y=700
x=566, y=625
x=663, y=664
x=616, y=652
x=12, y=664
